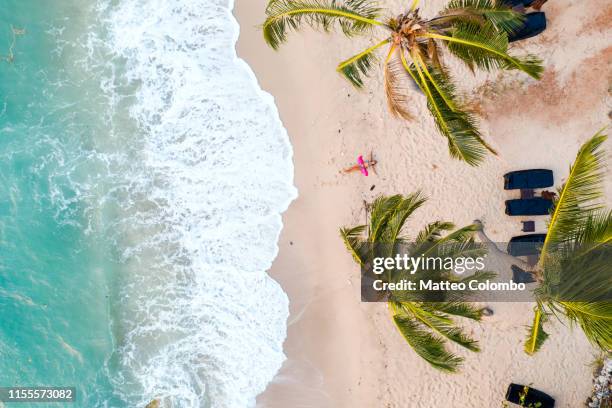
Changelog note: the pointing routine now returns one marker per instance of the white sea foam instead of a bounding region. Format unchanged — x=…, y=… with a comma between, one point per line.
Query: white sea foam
x=200, y=183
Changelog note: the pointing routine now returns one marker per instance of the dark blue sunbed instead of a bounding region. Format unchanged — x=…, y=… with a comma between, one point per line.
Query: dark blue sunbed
x=529, y=206
x=516, y=3
x=535, y=178
x=533, y=25
x=525, y=245
x=532, y=398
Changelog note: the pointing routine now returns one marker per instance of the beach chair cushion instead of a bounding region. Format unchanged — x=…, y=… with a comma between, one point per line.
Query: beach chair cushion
x=529, y=206
x=516, y=3
x=533, y=396
x=524, y=245
x=528, y=179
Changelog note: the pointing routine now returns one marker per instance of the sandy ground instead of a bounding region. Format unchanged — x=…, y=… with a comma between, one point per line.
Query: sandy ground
x=344, y=353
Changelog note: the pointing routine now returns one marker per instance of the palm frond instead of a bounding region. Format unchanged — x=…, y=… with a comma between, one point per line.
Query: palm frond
x=354, y=242
x=577, y=272
x=536, y=336
x=595, y=319
x=433, y=54
x=487, y=48
x=433, y=231
x=478, y=276
x=444, y=88
x=462, y=235
x=353, y=17
x=454, y=122
x=441, y=325
x=429, y=347
x=575, y=257
x=397, y=96
x=578, y=197
x=597, y=229
x=462, y=249
x=359, y=66
x=381, y=211
x=466, y=310
x=405, y=208
x=427, y=324
x=499, y=14
x=578, y=284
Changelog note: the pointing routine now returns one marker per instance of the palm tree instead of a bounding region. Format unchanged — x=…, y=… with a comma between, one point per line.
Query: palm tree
x=426, y=324
x=575, y=268
x=475, y=31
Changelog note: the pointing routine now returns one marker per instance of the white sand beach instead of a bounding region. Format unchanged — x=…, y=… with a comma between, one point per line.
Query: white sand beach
x=345, y=353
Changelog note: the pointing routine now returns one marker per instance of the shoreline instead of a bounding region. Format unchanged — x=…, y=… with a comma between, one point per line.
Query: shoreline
x=341, y=352
x=269, y=100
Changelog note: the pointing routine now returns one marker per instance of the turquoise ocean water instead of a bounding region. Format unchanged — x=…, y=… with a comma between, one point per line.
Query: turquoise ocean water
x=133, y=244
x=54, y=279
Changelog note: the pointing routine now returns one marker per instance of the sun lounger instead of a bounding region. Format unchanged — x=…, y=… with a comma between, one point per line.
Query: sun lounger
x=524, y=245
x=531, y=399
x=528, y=179
x=533, y=25
x=530, y=206
x=517, y=3
x=520, y=275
